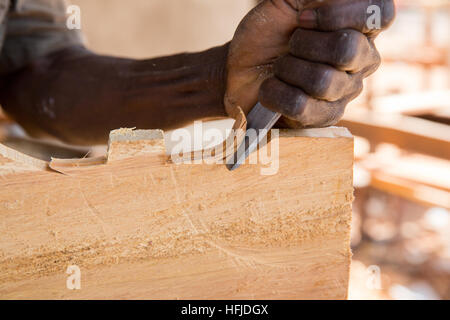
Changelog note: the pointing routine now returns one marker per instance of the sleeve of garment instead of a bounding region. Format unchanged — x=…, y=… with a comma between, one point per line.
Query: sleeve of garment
x=35, y=28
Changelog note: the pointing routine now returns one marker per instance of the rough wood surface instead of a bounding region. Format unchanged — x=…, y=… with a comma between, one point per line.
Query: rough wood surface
x=140, y=227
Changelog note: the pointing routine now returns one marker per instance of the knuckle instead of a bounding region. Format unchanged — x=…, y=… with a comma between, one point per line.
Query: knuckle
x=349, y=44
x=295, y=41
x=358, y=89
x=374, y=65
x=335, y=115
x=323, y=81
x=377, y=59
x=297, y=106
x=281, y=65
x=278, y=96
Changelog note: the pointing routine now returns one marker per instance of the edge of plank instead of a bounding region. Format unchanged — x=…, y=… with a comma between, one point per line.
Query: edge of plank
x=128, y=143
x=132, y=134
x=330, y=132
x=25, y=162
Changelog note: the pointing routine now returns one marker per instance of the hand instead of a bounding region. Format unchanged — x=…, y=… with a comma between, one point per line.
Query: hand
x=306, y=64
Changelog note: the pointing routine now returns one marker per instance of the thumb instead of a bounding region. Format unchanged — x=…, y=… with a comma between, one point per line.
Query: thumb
x=282, y=17
x=269, y=25
x=261, y=37
x=279, y=17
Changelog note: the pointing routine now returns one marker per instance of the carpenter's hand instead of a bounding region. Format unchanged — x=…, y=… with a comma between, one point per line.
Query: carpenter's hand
x=307, y=67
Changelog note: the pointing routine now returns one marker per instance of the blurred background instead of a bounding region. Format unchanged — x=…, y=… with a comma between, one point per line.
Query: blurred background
x=401, y=231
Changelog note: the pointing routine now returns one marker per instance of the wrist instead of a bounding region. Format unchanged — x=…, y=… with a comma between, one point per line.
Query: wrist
x=177, y=90
x=214, y=63
x=217, y=78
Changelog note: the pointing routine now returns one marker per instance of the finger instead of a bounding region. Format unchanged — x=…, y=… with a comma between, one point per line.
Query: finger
x=347, y=50
x=296, y=105
x=318, y=80
x=360, y=15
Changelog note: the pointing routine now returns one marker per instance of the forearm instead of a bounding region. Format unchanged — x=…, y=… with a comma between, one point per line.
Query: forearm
x=79, y=97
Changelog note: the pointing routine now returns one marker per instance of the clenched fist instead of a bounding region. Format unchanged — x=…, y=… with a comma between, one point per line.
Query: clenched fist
x=305, y=59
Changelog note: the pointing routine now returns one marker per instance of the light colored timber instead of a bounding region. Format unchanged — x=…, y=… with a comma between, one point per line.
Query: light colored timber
x=419, y=178
x=408, y=133
x=140, y=227
x=412, y=104
x=424, y=56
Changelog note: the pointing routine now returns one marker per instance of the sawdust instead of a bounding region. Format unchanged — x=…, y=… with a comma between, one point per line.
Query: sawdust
x=138, y=210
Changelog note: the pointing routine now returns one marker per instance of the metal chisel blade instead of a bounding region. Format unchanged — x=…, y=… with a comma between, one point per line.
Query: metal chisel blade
x=259, y=118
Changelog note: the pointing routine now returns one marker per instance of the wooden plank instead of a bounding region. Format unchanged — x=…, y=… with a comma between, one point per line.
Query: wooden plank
x=440, y=116
x=424, y=56
x=411, y=190
x=140, y=227
x=413, y=104
x=416, y=177
x=409, y=133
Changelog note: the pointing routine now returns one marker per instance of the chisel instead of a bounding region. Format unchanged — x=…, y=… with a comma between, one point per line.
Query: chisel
x=259, y=118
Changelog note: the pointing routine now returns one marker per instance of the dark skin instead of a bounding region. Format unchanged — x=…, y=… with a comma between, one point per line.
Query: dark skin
x=307, y=67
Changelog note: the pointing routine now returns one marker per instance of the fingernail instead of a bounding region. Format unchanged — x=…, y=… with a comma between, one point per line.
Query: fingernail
x=308, y=18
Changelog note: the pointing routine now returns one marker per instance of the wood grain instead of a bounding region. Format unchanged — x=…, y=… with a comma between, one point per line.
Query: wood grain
x=140, y=227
